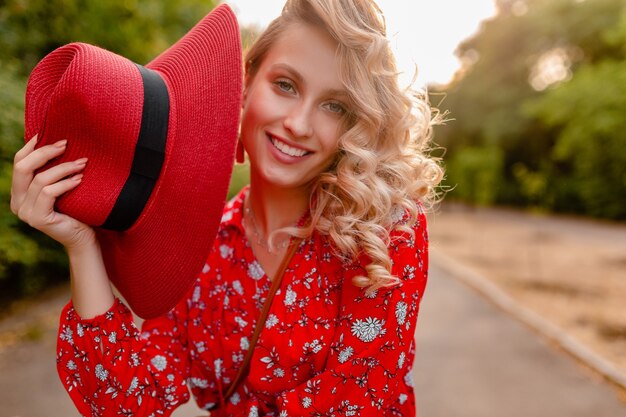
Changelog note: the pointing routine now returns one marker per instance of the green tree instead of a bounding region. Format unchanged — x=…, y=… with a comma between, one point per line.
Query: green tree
x=589, y=113
x=531, y=48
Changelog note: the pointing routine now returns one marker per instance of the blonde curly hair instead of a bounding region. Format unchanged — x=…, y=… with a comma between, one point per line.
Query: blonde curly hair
x=382, y=169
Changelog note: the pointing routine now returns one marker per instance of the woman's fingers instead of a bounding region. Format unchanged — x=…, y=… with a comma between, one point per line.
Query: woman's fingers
x=38, y=157
x=45, y=179
x=26, y=162
x=20, y=180
x=42, y=213
x=33, y=196
x=57, y=172
x=26, y=149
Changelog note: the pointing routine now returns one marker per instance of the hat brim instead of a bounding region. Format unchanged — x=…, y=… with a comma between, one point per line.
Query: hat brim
x=155, y=262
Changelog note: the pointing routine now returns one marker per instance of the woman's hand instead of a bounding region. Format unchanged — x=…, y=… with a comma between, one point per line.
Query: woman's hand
x=33, y=196
x=32, y=200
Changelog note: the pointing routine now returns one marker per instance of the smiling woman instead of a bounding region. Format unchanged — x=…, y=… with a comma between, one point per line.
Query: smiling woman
x=341, y=96
x=308, y=299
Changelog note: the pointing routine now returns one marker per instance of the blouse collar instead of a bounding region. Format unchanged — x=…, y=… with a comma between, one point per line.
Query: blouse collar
x=233, y=211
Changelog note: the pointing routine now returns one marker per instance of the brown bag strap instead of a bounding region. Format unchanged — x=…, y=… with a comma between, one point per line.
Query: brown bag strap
x=243, y=370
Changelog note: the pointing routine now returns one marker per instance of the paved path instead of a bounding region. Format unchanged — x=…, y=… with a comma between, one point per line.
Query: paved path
x=472, y=361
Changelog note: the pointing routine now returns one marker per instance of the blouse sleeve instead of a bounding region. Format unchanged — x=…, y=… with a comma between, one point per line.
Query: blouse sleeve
x=109, y=368
x=368, y=372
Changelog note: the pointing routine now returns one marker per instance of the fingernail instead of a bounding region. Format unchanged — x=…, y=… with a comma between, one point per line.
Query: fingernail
x=81, y=161
x=34, y=138
x=61, y=143
x=77, y=177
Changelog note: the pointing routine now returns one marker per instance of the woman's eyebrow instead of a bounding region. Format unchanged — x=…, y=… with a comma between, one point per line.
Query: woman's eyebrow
x=343, y=94
x=332, y=92
x=291, y=70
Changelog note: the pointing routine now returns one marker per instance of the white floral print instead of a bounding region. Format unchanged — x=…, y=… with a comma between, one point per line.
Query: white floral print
x=244, y=344
x=159, y=362
x=195, y=382
x=238, y=287
x=241, y=322
x=367, y=330
x=315, y=346
x=66, y=335
x=409, y=272
x=401, y=360
x=290, y=297
x=255, y=271
x=254, y=411
x=217, y=363
x=345, y=354
x=401, y=309
x=134, y=359
x=235, y=398
x=227, y=216
x=226, y=251
x=271, y=321
x=134, y=383
x=408, y=379
x=101, y=373
x=196, y=294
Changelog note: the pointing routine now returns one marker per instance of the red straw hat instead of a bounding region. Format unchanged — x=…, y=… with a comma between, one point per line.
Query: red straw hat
x=161, y=143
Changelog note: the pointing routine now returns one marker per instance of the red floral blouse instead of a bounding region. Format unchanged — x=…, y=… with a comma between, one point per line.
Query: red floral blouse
x=327, y=348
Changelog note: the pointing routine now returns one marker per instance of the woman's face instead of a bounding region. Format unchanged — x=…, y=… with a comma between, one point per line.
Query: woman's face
x=293, y=108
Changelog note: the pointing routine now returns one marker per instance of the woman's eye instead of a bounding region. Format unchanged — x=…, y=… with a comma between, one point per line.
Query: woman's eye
x=336, y=107
x=285, y=86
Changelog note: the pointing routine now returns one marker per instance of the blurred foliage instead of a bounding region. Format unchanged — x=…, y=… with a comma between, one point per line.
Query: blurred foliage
x=477, y=169
x=28, y=260
x=136, y=29
x=589, y=114
x=29, y=29
x=240, y=178
x=544, y=82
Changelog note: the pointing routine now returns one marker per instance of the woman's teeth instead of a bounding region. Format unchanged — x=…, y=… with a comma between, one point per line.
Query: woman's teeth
x=286, y=149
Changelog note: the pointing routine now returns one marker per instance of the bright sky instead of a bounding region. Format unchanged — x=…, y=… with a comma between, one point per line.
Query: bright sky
x=423, y=32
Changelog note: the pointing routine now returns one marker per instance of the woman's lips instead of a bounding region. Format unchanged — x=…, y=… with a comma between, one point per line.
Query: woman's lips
x=287, y=149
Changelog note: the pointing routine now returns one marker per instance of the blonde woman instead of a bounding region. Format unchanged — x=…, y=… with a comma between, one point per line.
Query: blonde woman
x=339, y=182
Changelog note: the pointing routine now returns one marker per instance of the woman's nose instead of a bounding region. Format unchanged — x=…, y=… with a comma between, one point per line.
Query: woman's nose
x=298, y=121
